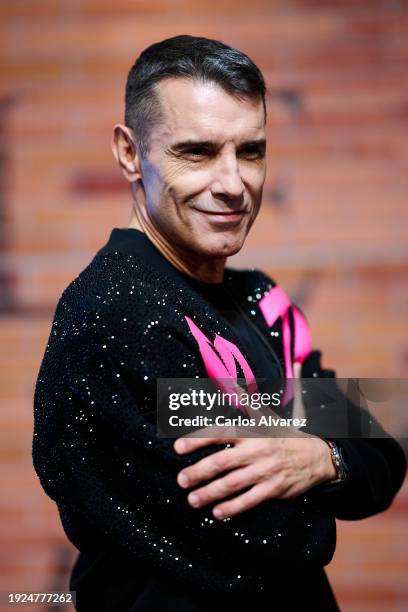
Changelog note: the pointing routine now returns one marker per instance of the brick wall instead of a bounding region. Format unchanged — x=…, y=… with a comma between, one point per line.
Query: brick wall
x=332, y=230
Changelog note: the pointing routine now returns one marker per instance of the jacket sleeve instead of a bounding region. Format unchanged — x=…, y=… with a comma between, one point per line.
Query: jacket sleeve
x=375, y=466
x=95, y=450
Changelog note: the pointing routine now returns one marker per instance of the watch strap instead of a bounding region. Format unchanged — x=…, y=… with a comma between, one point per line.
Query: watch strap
x=338, y=462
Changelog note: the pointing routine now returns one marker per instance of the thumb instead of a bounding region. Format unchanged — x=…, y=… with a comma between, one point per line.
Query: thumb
x=298, y=406
x=297, y=369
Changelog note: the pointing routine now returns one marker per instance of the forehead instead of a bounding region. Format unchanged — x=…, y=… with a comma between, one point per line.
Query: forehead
x=203, y=110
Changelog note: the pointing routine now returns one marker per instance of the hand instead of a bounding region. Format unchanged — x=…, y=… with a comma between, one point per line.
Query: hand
x=278, y=468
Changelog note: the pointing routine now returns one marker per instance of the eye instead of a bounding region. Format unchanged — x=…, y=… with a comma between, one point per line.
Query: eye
x=253, y=151
x=197, y=152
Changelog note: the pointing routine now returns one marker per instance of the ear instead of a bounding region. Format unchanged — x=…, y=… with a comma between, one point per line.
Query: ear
x=125, y=151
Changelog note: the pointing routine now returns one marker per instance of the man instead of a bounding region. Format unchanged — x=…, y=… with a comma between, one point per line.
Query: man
x=219, y=522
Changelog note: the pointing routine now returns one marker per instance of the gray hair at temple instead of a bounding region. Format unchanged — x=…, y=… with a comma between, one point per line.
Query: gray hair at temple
x=185, y=56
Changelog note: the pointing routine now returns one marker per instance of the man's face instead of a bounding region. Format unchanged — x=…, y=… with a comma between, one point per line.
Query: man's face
x=205, y=170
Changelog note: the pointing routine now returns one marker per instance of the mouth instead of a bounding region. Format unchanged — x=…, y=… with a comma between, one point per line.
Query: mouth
x=224, y=217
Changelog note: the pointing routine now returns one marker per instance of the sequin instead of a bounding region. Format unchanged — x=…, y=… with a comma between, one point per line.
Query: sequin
x=95, y=447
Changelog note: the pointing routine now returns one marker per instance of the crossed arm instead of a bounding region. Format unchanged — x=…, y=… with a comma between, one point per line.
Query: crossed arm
x=252, y=470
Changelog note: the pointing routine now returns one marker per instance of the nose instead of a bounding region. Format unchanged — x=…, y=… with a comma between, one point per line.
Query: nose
x=228, y=182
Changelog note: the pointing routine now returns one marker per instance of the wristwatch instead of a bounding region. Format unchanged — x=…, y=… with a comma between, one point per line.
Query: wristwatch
x=338, y=462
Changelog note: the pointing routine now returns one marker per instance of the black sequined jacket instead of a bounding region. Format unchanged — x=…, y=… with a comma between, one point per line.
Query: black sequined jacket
x=118, y=327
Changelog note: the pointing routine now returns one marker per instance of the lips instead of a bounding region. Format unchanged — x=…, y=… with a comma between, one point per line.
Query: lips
x=216, y=212
x=224, y=218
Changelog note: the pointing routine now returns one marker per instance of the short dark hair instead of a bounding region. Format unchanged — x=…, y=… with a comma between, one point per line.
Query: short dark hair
x=188, y=56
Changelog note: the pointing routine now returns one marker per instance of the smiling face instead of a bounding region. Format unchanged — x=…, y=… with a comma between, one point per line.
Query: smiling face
x=205, y=170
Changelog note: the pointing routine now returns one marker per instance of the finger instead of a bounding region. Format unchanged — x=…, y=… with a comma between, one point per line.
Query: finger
x=223, y=487
x=298, y=411
x=241, y=503
x=210, y=466
x=187, y=445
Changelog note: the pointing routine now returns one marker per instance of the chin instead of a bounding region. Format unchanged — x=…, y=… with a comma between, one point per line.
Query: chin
x=223, y=246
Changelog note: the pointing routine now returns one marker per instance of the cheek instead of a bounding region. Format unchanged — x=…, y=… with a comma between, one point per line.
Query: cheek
x=254, y=176
x=184, y=183
x=153, y=185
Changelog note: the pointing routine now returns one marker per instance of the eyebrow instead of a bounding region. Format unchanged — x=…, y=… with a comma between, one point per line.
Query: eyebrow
x=209, y=144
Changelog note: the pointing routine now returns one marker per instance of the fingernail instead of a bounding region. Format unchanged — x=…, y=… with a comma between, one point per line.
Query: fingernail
x=218, y=513
x=180, y=446
x=183, y=480
x=193, y=499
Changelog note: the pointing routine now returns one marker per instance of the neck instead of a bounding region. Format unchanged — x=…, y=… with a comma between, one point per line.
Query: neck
x=208, y=271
